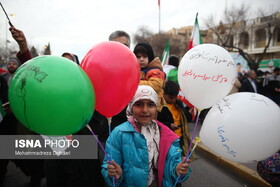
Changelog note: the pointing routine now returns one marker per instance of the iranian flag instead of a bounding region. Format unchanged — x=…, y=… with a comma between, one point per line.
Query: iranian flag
x=165, y=54
x=195, y=37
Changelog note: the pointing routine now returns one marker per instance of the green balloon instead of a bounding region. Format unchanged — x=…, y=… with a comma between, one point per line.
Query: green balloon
x=52, y=95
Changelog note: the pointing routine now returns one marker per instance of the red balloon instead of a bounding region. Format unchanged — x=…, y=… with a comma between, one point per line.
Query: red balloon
x=115, y=74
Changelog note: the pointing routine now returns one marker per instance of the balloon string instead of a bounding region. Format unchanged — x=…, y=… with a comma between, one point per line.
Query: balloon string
x=192, y=138
x=106, y=154
x=99, y=143
x=192, y=150
x=111, y=152
x=109, y=123
x=193, y=133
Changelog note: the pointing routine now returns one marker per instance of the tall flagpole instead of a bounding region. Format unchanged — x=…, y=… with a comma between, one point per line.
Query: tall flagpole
x=159, y=16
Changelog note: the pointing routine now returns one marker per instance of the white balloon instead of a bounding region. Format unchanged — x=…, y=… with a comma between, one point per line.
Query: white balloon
x=242, y=127
x=206, y=74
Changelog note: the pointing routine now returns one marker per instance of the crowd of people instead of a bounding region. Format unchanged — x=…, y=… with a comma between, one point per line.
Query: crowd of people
x=264, y=83
x=155, y=158
x=149, y=138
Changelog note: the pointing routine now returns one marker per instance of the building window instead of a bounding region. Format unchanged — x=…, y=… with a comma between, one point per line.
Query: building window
x=276, y=36
x=244, y=40
x=260, y=38
x=230, y=41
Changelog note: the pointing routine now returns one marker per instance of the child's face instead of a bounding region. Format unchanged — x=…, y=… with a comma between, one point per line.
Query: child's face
x=142, y=59
x=170, y=99
x=144, y=111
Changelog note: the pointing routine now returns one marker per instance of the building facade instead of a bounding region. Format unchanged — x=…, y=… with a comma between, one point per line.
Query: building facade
x=252, y=36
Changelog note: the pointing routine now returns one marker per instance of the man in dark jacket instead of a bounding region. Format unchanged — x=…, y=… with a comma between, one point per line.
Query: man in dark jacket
x=250, y=84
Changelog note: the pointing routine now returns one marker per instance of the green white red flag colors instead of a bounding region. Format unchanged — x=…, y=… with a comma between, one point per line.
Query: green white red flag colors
x=195, y=37
x=165, y=54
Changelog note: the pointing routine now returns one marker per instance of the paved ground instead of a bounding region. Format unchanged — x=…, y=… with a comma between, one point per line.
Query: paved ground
x=208, y=174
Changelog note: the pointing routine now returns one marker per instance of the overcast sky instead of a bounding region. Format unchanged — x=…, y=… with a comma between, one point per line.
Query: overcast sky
x=77, y=25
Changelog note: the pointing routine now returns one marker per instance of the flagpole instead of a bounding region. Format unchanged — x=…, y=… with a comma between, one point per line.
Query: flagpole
x=158, y=16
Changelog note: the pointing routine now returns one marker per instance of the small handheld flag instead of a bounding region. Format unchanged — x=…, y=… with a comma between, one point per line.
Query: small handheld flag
x=195, y=37
x=165, y=55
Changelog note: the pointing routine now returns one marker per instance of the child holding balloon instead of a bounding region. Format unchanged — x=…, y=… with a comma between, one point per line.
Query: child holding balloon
x=151, y=70
x=145, y=152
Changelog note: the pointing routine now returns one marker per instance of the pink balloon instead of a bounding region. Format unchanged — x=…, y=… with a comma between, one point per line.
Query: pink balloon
x=115, y=74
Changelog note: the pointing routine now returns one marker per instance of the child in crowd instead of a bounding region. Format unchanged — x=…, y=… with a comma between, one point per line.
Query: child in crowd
x=145, y=152
x=269, y=169
x=171, y=69
x=151, y=70
x=173, y=114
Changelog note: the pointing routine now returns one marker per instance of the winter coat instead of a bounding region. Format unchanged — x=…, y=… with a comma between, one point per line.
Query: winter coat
x=129, y=150
x=154, y=76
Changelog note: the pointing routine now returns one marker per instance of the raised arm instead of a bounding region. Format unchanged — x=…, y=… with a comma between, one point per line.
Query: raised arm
x=24, y=53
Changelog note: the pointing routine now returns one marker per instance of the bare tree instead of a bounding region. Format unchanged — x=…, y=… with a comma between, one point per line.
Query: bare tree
x=7, y=52
x=142, y=35
x=231, y=32
x=158, y=41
